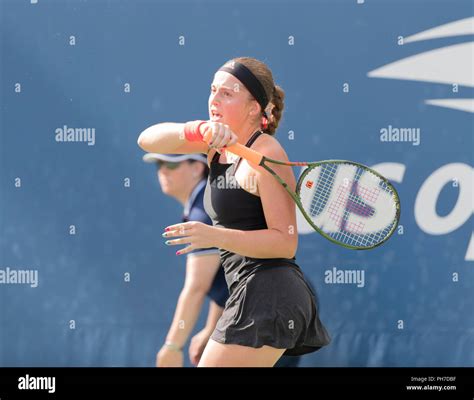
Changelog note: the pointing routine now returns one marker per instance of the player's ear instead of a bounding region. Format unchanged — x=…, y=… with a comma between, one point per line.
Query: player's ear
x=254, y=108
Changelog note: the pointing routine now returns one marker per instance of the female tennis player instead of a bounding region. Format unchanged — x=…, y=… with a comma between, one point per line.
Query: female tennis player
x=271, y=310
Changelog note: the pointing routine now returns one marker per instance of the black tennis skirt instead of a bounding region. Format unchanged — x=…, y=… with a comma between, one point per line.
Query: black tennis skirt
x=272, y=306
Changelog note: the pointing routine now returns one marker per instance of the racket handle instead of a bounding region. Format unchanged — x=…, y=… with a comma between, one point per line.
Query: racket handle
x=242, y=151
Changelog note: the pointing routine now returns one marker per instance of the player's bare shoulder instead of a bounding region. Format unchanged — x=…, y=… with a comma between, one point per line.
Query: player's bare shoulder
x=270, y=147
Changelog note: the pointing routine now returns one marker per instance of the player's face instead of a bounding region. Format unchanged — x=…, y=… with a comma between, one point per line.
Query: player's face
x=229, y=101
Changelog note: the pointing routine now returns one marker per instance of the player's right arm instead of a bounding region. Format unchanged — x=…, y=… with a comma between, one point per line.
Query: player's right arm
x=168, y=138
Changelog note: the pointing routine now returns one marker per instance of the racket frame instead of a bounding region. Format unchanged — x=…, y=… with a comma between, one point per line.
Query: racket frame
x=259, y=159
x=296, y=198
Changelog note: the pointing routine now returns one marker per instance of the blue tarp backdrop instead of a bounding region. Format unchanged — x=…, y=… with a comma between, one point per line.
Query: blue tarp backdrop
x=386, y=83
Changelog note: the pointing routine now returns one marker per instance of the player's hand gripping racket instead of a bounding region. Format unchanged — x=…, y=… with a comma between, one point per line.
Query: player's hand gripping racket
x=346, y=202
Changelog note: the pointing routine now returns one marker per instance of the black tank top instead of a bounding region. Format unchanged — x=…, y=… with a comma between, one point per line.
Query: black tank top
x=230, y=206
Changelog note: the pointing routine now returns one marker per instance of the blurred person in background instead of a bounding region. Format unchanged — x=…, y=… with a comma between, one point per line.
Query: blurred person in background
x=183, y=177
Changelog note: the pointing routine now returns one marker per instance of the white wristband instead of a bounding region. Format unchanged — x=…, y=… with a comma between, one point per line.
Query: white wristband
x=172, y=346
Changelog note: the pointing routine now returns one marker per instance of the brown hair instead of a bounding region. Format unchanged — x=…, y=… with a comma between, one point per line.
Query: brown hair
x=274, y=92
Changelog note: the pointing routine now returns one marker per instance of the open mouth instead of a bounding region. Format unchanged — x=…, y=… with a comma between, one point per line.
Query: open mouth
x=215, y=116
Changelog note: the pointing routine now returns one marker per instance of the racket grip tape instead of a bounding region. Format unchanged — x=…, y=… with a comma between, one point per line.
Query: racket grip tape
x=242, y=151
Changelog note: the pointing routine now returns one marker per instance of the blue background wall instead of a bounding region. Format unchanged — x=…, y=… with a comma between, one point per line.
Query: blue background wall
x=415, y=308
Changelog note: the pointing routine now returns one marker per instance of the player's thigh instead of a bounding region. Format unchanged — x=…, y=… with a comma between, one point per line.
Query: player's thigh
x=232, y=355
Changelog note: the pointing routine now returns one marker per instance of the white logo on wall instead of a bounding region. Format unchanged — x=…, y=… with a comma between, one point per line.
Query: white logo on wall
x=453, y=66
x=426, y=200
x=450, y=65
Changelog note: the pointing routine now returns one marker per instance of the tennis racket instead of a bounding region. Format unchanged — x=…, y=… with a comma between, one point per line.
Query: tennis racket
x=346, y=202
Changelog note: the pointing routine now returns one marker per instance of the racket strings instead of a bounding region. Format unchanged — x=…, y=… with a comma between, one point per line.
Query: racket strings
x=350, y=197
x=323, y=189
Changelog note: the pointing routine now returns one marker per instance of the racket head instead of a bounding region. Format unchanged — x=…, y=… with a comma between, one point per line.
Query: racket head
x=348, y=203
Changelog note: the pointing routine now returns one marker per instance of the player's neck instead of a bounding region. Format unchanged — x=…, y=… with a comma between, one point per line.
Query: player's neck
x=246, y=133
